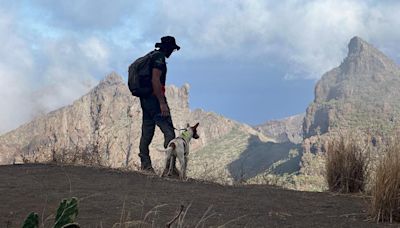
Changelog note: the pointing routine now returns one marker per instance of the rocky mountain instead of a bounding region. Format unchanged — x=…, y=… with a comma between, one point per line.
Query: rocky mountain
x=361, y=93
x=103, y=128
x=284, y=130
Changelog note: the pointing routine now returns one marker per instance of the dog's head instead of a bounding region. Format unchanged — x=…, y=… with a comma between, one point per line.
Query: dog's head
x=194, y=130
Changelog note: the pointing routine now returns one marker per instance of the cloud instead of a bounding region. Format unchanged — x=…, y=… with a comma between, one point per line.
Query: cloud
x=73, y=67
x=40, y=76
x=52, y=52
x=309, y=37
x=16, y=63
x=86, y=15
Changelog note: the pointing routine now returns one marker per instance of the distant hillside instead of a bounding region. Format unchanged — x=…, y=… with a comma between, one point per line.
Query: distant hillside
x=284, y=130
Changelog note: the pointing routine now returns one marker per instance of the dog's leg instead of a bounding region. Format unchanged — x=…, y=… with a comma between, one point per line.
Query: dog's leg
x=165, y=165
x=181, y=158
x=171, y=164
x=168, y=153
x=186, y=159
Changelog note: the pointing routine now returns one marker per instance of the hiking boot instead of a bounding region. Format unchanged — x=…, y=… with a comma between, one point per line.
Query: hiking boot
x=148, y=170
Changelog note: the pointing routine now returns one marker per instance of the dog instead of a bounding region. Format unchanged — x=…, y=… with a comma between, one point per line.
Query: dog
x=179, y=148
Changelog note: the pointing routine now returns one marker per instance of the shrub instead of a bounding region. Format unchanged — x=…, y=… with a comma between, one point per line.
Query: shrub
x=346, y=164
x=385, y=204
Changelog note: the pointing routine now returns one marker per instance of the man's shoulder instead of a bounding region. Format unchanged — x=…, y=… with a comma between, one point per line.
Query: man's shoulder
x=156, y=54
x=158, y=57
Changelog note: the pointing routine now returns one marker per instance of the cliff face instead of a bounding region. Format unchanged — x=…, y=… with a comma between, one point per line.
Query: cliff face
x=285, y=130
x=361, y=93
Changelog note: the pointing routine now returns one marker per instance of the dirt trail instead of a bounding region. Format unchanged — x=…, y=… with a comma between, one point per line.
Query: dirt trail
x=110, y=196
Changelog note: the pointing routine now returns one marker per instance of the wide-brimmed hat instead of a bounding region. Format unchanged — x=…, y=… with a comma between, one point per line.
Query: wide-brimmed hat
x=168, y=41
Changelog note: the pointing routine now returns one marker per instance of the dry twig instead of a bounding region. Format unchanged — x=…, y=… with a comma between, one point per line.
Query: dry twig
x=168, y=225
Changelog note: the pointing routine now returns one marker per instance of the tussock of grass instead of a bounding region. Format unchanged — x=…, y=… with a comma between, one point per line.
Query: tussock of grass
x=385, y=204
x=346, y=165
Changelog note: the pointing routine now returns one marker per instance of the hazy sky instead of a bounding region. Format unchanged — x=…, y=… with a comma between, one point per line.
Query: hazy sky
x=251, y=61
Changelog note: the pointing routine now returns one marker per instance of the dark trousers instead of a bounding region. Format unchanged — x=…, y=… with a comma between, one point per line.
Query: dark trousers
x=151, y=118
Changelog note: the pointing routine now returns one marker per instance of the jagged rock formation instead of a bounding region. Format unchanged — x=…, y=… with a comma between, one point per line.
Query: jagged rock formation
x=285, y=130
x=103, y=128
x=361, y=93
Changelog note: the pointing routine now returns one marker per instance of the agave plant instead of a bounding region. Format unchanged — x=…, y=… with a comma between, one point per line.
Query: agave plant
x=65, y=218
x=32, y=221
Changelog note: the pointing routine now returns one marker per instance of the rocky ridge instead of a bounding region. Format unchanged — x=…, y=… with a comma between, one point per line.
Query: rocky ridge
x=103, y=128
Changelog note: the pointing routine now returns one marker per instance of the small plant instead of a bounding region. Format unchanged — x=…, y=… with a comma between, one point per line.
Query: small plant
x=66, y=213
x=65, y=218
x=385, y=206
x=346, y=165
x=32, y=221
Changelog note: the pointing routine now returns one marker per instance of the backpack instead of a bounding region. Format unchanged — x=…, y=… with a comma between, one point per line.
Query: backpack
x=139, y=76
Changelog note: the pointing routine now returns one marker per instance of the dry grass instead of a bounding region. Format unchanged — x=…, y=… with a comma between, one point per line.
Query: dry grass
x=346, y=164
x=150, y=218
x=385, y=206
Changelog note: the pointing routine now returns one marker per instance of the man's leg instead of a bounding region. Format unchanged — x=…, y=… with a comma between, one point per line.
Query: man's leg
x=148, y=127
x=167, y=128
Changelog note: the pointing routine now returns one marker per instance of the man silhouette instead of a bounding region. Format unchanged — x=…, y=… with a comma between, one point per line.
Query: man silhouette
x=155, y=107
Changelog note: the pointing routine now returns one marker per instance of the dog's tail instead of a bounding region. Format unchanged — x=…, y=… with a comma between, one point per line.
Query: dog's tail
x=170, y=148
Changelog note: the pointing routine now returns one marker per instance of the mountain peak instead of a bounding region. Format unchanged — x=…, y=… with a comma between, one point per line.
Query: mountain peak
x=364, y=81
x=363, y=58
x=112, y=78
x=357, y=45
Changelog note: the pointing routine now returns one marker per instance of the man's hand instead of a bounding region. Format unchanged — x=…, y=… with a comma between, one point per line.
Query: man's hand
x=164, y=109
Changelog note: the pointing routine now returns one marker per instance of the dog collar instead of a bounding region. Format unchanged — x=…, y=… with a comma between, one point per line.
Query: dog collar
x=186, y=136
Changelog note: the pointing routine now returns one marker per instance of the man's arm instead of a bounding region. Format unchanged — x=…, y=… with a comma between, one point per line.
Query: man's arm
x=157, y=90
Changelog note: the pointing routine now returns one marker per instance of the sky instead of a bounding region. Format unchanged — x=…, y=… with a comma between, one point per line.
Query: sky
x=251, y=61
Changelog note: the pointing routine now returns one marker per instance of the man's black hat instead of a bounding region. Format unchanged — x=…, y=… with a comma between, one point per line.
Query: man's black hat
x=168, y=41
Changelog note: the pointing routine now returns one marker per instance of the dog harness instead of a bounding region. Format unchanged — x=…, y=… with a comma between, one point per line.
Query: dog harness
x=185, y=136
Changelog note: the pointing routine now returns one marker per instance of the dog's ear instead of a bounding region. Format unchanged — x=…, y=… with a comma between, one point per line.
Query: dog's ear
x=195, y=126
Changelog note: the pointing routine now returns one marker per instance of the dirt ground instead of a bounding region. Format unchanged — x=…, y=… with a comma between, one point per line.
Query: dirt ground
x=110, y=197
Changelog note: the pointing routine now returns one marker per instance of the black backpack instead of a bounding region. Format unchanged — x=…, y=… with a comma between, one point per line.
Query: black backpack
x=139, y=76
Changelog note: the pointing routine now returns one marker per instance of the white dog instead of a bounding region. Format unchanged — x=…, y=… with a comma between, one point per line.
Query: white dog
x=179, y=148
